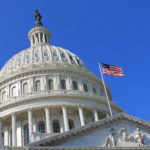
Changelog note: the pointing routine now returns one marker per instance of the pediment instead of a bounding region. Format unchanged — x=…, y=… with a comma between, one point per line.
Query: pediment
x=120, y=130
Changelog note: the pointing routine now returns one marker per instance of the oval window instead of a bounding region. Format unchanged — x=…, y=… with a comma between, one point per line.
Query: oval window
x=36, y=55
x=19, y=60
x=27, y=57
x=45, y=54
x=54, y=54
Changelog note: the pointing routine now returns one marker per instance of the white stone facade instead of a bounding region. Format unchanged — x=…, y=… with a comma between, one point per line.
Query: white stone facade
x=47, y=90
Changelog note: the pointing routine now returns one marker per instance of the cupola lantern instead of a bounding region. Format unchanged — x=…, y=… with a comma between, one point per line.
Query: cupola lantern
x=39, y=34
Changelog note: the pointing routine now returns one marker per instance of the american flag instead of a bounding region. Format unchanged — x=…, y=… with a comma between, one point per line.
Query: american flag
x=112, y=70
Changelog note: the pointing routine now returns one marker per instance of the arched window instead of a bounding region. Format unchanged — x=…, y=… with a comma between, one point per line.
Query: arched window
x=14, y=91
x=37, y=86
x=63, y=84
x=75, y=86
x=50, y=84
x=45, y=39
x=25, y=88
x=94, y=90
x=26, y=134
x=41, y=127
x=56, y=126
x=71, y=124
x=41, y=37
x=85, y=87
x=3, y=96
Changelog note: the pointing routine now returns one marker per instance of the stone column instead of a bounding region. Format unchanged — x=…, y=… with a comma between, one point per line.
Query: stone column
x=30, y=124
x=43, y=38
x=32, y=89
x=56, y=83
x=19, y=88
x=48, y=120
x=95, y=115
x=13, y=117
x=1, y=142
x=19, y=134
x=6, y=136
x=45, y=83
x=81, y=85
x=35, y=39
x=69, y=83
x=65, y=118
x=81, y=115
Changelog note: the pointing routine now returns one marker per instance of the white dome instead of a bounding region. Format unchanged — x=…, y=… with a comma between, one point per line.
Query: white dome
x=41, y=54
x=47, y=89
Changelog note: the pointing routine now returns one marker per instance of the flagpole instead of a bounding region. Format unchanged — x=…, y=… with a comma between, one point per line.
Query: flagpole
x=99, y=64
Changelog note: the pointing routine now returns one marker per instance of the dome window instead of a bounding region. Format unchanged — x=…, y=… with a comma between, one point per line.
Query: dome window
x=14, y=91
x=71, y=124
x=50, y=84
x=41, y=37
x=54, y=54
x=3, y=96
x=94, y=90
x=36, y=55
x=37, y=86
x=56, y=126
x=63, y=84
x=12, y=64
x=71, y=58
x=75, y=86
x=45, y=54
x=85, y=87
x=25, y=88
x=63, y=55
x=79, y=62
x=27, y=57
x=19, y=60
x=41, y=127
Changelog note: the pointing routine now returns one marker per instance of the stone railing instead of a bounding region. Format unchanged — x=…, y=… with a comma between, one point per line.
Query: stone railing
x=12, y=148
x=55, y=93
x=36, y=136
x=73, y=148
x=88, y=148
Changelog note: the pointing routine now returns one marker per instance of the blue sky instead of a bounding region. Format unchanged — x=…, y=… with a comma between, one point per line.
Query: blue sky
x=115, y=32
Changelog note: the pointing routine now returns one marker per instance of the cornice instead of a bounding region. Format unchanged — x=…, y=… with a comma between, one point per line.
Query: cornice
x=58, y=94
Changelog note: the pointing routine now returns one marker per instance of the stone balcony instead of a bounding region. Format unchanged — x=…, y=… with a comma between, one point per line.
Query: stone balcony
x=54, y=94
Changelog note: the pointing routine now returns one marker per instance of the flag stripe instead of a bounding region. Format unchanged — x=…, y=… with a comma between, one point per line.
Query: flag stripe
x=112, y=70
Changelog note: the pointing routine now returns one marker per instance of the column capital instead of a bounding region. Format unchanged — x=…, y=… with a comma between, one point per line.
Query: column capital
x=63, y=106
x=13, y=114
x=30, y=109
x=46, y=107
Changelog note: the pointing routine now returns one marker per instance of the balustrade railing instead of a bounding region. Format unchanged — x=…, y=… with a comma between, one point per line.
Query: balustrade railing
x=72, y=148
x=51, y=93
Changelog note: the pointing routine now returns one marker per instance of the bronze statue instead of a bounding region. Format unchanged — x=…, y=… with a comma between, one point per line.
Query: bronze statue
x=38, y=18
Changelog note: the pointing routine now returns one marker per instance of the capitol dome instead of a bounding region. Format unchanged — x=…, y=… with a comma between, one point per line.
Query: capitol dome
x=47, y=90
x=41, y=53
